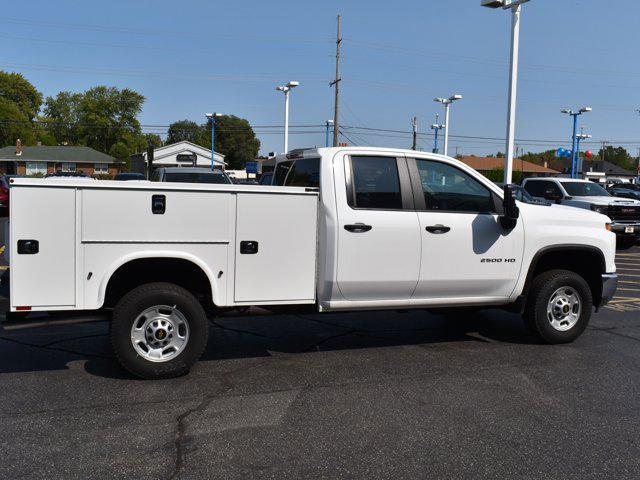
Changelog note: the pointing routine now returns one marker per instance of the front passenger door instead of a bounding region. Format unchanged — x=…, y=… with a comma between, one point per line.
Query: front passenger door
x=465, y=251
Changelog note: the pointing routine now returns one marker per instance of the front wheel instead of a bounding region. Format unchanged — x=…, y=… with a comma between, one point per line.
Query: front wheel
x=158, y=330
x=559, y=306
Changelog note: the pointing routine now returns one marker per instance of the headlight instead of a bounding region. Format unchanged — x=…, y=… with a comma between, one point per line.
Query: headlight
x=599, y=208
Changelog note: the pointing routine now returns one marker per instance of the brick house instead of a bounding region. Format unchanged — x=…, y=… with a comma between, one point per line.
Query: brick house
x=41, y=159
x=485, y=164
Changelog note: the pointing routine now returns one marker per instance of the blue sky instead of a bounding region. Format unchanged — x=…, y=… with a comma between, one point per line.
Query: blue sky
x=192, y=57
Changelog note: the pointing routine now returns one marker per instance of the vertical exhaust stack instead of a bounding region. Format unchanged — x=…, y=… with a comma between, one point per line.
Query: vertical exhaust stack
x=18, y=147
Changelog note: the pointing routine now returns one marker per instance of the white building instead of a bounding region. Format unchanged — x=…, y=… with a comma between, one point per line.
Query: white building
x=177, y=154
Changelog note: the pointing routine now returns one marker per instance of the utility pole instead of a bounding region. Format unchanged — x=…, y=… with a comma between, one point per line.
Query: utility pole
x=336, y=83
x=414, y=145
x=604, y=142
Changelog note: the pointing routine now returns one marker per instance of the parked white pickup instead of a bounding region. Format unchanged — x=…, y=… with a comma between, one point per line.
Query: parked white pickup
x=347, y=229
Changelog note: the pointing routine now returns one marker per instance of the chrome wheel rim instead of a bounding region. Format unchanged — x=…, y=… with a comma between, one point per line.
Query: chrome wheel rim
x=564, y=308
x=160, y=333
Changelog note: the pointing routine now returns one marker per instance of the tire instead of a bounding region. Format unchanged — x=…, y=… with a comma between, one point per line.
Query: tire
x=166, y=319
x=551, y=312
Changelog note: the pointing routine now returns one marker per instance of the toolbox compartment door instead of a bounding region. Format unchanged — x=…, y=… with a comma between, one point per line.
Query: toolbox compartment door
x=275, y=248
x=43, y=274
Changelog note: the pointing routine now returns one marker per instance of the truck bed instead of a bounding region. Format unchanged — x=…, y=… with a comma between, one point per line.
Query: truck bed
x=86, y=229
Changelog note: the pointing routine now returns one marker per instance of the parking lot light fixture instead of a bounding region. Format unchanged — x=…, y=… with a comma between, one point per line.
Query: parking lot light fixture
x=580, y=137
x=515, y=6
x=286, y=89
x=212, y=117
x=447, y=103
x=574, y=136
x=436, y=127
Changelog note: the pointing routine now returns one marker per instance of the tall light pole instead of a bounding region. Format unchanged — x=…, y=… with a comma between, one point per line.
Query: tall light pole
x=515, y=6
x=212, y=117
x=574, y=137
x=447, y=104
x=286, y=89
x=638, y=172
x=326, y=138
x=436, y=127
x=580, y=136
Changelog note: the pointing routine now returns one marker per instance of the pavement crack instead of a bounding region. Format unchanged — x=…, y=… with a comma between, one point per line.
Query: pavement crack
x=236, y=330
x=73, y=338
x=613, y=332
x=316, y=346
x=180, y=434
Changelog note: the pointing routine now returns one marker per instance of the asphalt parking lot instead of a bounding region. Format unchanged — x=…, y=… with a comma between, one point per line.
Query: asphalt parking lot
x=376, y=395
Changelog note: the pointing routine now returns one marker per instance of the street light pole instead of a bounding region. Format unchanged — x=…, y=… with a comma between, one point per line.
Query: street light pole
x=326, y=141
x=436, y=127
x=447, y=104
x=579, y=137
x=212, y=117
x=513, y=87
x=446, y=128
x=574, y=138
x=515, y=6
x=286, y=89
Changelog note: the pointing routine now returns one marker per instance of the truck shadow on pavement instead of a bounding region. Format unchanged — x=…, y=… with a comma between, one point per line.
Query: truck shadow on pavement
x=235, y=338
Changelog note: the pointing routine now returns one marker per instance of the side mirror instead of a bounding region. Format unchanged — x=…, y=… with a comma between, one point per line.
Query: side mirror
x=511, y=212
x=552, y=195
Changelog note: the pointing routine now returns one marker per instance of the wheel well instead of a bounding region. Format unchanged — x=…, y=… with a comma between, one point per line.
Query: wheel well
x=183, y=273
x=586, y=262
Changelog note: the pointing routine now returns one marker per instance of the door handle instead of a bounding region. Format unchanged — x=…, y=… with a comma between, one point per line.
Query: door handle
x=437, y=228
x=358, y=228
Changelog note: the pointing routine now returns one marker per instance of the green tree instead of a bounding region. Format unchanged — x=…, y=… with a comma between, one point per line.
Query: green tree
x=17, y=90
x=185, y=130
x=152, y=139
x=106, y=114
x=540, y=157
x=235, y=139
x=19, y=105
x=14, y=124
x=61, y=115
x=99, y=118
x=121, y=152
x=618, y=156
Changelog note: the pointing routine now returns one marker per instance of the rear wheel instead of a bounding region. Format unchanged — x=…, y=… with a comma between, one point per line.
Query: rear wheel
x=158, y=330
x=558, y=307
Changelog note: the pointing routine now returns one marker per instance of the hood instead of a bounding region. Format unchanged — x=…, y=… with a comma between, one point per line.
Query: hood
x=596, y=200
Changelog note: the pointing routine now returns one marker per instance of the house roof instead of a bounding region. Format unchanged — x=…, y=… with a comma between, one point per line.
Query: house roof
x=169, y=151
x=493, y=163
x=45, y=153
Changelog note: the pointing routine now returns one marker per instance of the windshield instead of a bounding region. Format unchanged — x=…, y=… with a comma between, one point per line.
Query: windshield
x=585, y=189
x=523, y=195
x=196, y=177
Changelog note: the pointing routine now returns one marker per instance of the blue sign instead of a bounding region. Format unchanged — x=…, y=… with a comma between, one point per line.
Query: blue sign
x=252, y=167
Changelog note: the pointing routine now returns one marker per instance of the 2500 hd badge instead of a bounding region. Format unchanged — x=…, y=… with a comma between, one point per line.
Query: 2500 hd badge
x=498, y=260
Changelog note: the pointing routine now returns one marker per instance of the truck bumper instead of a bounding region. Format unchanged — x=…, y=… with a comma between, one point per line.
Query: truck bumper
x=609, y=285
x=625, y=228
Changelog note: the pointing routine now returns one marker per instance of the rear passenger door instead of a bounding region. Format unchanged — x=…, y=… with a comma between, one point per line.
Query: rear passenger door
x=378, y=231
x=466, y=254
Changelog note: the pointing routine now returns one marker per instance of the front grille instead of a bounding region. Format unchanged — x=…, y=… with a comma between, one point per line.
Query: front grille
x=624, y=213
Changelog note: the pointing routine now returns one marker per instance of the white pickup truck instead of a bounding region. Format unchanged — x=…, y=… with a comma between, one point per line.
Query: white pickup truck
x=346, y=229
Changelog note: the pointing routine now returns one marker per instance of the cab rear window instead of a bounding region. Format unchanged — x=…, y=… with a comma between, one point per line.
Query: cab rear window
x=304, y=172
